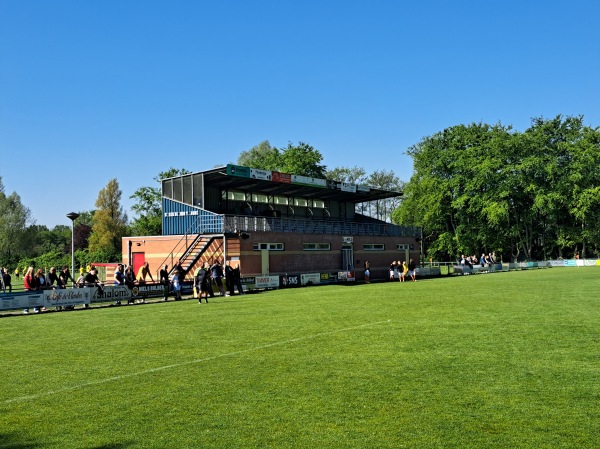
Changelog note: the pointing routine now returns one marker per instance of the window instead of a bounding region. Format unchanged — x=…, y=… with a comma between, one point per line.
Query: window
x=260, y=198
x=402, y=246
x=316, y=246
x=236, y=195
x=373, y=246
x=269, y=246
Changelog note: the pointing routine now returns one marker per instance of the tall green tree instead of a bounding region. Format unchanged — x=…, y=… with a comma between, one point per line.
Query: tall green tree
x=263, y=156
x=352, y=175
x=148, y=205
x=530, y=195
x=14, y=218
x=109, y=223
x=302, y=159
x=385, y=180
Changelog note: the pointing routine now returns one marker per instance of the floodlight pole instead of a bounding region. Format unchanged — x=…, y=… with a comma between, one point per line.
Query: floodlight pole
x=72, y=216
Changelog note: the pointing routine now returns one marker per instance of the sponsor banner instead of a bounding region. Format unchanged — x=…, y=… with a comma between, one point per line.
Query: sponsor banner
x=570, y=263
x=281, y=177
x=310, y=278
x=68, y=297
x=329, y=278
x=248, y=283
x=260, y=174
x=363, y=189
x=347, y=187
x=21, y=300
x=266, y=281
x=148, y=290
x=347, y=276
x=308, y=181
x=238, y=170
x=109, y=293
x=290, y=280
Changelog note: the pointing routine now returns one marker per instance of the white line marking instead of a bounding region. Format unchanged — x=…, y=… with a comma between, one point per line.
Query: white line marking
x=177, y=365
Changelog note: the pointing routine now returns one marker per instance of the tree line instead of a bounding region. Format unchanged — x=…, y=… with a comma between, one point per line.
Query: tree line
x=475, y=188
x=531, y=195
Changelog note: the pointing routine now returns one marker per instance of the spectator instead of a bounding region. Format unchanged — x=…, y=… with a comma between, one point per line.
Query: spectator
x=143, y=272
x=163, y=277
x=412, y=270
x=367, y=271
x=41, y=279
x=91, y=279
x=64, y=277
x=119, y=279
x=393, y=269
x=30, y=285
x=52, y=278
x=229, y=278
x=217, y=274
x=237, y=278
x=179, y=268
x=402, y=269
x=176, y=285
x=203, y=283
x=80, y=280
x=6, y=281
x=130, y=281
x=482, y=260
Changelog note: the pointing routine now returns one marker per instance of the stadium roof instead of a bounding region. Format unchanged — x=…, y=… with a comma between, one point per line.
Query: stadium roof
x=219, y=177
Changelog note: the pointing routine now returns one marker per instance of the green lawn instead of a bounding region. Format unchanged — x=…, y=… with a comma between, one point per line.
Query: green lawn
x=498, y=360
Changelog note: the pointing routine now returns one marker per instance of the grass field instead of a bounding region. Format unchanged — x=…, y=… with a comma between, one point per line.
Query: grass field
x=504, y=360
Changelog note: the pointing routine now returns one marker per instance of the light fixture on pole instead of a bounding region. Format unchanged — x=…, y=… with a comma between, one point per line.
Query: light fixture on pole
x=72, y=216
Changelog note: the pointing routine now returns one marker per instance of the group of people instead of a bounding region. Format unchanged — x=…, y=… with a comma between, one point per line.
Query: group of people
x=485, y=260
x=207, y=273
x=401, y=270
x=204, y=277
x=36, y=280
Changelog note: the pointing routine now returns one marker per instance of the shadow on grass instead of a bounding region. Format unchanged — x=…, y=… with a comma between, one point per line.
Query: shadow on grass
x=17, y=441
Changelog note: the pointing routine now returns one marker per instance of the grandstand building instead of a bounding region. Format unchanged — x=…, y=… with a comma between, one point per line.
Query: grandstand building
x=274, y=225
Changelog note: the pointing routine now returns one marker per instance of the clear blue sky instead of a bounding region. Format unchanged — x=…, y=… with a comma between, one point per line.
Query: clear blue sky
x=95, y=90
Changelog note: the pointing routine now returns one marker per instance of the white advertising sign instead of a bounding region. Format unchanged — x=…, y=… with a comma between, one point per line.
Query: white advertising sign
x=260, y=174
x=266, y=281
x=347, y=187
x=310, y=279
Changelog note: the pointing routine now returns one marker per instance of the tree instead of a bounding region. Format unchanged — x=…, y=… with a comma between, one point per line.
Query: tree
x=354, y=175
x=385, y=180
x=262, y=156
x=148, y=206
x=109, y=222
x=14, y=217
x=302, y=159
x=531, y=195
